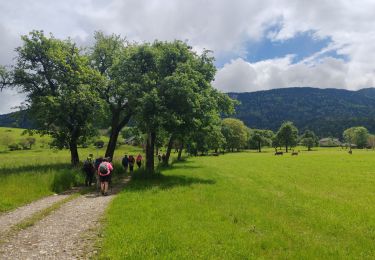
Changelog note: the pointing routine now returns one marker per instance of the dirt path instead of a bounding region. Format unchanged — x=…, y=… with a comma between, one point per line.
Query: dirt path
x=9, y=219
x=65, y=234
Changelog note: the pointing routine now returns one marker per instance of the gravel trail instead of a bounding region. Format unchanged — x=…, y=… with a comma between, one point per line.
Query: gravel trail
x=67, y=233
x=9, y=219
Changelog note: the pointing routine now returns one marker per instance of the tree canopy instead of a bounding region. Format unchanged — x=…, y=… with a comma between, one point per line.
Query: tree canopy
x=58, y=83
x=309, y=139
x=235, y=133
x=356, y=135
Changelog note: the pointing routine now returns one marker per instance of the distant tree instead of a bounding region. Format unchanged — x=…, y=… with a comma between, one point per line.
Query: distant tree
x=259, y=138
x=287, y=135
x=356, y=135
x=309, y=139
x=235, y=133
x=31, y=141
x=24, y=144
x=57, y=81
x=133, y=132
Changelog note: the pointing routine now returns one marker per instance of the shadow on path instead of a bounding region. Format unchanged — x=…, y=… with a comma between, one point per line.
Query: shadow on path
x=166, y=182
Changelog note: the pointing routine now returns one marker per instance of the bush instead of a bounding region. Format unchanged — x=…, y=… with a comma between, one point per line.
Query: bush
x=14, y=147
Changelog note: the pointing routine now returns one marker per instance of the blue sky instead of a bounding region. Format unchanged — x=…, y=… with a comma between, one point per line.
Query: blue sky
x=301, y=46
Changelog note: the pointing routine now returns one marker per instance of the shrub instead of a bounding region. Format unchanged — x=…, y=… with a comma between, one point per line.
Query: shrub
x=14, y=147
x=99, y=144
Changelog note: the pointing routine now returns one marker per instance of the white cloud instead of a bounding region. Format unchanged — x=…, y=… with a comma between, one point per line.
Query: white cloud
x=9, y=99
x=219, y=25
x=240, y=75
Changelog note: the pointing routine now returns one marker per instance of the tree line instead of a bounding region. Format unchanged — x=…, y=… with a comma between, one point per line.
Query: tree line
x=237, y=136
x=161, y=87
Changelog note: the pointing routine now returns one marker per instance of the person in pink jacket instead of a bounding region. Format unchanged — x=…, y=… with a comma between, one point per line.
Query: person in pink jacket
x=105, y=169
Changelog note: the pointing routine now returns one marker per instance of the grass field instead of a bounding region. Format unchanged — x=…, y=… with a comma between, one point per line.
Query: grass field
x=318, y=204
x=27, y=175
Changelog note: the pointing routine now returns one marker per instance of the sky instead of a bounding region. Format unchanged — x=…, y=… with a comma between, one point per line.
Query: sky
x=257, y=44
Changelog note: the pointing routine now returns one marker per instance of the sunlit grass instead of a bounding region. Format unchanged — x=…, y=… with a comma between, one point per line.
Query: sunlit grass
x=317, y=205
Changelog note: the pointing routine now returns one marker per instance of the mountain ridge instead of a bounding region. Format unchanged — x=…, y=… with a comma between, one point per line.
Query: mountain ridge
x=327, y=112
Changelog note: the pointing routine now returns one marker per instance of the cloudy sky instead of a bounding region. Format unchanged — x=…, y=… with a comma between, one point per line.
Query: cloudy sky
x=258, y=44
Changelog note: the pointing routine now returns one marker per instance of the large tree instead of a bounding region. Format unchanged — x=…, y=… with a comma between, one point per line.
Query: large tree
x=107, y=54
x=287, y=135
x=190, y=100
x=174, y=92
x=58, y=83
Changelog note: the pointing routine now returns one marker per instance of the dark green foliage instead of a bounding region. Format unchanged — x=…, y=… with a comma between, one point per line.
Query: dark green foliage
x=327, y=112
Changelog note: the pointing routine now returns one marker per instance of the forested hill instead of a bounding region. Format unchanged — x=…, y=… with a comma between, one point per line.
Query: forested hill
x=17, y=119
x=328, y=112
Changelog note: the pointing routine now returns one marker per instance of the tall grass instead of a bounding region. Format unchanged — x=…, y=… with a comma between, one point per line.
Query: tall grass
x=32, y=174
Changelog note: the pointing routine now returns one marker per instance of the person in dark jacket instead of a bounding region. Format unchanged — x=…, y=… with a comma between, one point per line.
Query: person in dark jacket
x=131, y=163
x=125, y=162
x=89, y=170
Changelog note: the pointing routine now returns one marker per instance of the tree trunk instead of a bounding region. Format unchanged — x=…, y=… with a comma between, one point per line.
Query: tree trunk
x=259, y=147
x=286, y=147
x=150, y=146
x=112, y=143
x=169, y=149
x=74, y=157
x=116, y=127
x=180, y=151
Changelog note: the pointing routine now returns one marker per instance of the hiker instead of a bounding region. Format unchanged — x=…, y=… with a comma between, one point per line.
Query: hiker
x=139, y=160
x=164, y=158
x=97, y=162
x=104, y=170
x=125, y=162
x=89, y=171
x=159, y=158
x=131, y=163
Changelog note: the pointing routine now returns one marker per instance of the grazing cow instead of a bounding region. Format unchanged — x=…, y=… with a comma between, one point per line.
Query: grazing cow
x=279, y=153
x=294, y=153
x=350, y=152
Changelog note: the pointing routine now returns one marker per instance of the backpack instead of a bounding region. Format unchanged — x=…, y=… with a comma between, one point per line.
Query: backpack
x=103, y=169
x=87, y=165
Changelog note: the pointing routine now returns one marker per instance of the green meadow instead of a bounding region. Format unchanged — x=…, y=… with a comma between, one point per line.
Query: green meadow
x=319, y=204
x=27, y=175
